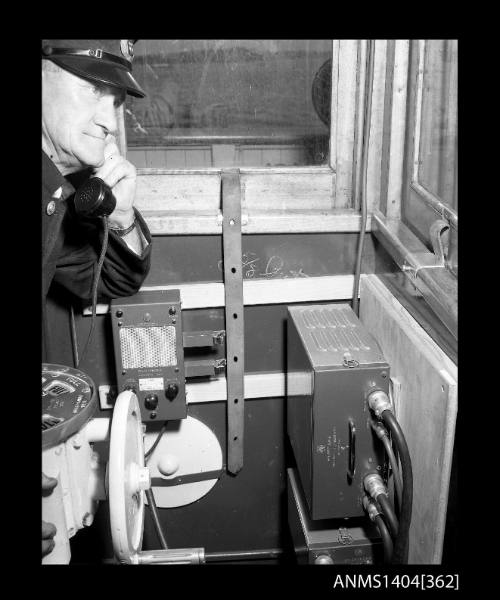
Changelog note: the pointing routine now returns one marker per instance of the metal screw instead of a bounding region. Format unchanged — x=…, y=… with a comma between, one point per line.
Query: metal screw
x=124, y=372
x=174, y=321
x=219, y=338
x=172, y=310
x=120, y=323
x=152, y=415
x=383, y=374
x=119, y=313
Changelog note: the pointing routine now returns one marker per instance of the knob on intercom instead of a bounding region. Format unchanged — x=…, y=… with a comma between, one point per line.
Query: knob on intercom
x=151, y=402
x=171, y=391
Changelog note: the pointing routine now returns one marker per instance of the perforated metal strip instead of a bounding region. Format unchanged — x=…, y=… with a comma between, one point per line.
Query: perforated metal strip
x=233, y=290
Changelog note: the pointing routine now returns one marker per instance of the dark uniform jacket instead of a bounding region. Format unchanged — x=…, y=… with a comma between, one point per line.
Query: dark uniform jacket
x=71, y=247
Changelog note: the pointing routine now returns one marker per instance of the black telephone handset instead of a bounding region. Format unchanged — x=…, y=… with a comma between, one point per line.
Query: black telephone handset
x=94, y=199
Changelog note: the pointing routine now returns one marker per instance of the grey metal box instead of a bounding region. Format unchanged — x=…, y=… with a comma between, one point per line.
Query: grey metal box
x=332, y=364
x=149, y=354
x=343, y=542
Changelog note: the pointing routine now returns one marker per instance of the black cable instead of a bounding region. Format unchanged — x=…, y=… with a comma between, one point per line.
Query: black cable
x=157, y=441
x=400, y=555
x=386, y=538
x=74, y=341
x=97, y=275
x=383, y=435
x=149, y=493
x=398, y=500
x=156, y=519
x=364, y=162
x=398, y=484
x=389, y=514
x=395, y=451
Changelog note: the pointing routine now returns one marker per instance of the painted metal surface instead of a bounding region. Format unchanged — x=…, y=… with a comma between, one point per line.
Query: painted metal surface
x=187, y=451
x=247, y=512
x=188, y=259
x=331, y=345
x=233, y=292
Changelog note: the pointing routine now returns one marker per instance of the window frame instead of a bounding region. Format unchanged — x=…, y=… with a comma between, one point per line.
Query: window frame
x=415, y=191
x=301, y=199
x=428, y=278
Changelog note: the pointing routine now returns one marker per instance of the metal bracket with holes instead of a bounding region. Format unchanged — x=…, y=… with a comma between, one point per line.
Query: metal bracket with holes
x=233, y=290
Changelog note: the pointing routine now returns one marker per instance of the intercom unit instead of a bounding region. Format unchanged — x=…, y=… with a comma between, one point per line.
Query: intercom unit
x=148, y=346
x=333, y=363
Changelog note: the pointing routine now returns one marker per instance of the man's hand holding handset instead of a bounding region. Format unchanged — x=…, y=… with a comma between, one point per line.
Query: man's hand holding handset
x=121, y=176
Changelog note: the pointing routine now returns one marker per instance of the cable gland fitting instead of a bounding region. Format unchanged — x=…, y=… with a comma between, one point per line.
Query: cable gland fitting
x=379, y=429
x=374, y=485
x=379, y=401
x=370, y=507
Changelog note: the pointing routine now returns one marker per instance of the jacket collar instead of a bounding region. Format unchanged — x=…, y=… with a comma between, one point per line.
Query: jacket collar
x=53, y=180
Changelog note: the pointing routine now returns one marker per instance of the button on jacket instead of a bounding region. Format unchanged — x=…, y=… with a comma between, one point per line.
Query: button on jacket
x=71, y=247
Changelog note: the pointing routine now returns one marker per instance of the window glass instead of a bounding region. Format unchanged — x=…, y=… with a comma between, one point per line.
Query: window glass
x=438, y=141
x=217, y=103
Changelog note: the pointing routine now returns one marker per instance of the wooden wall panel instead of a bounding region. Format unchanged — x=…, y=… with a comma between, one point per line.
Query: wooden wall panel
x=426, y=411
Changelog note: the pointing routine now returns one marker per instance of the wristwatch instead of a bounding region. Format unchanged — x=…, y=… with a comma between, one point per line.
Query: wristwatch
x=122, y=232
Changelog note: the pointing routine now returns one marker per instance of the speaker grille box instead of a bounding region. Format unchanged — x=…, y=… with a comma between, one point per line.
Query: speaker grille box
x=147, y=338
x=148, y=347
x=332, y=364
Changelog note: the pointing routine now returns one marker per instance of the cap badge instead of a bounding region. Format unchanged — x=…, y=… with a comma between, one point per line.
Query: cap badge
x=127, y=48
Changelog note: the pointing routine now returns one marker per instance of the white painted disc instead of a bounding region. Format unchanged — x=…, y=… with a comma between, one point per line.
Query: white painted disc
x=188, y=446
x=127, y=477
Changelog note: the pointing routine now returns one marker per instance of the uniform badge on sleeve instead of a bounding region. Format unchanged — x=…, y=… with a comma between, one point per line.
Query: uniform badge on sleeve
x=127, y=48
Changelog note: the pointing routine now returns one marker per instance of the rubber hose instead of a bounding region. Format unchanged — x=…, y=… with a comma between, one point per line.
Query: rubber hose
x=400, y=554
x=398, y=484
x=386, y=538
x=389, y=514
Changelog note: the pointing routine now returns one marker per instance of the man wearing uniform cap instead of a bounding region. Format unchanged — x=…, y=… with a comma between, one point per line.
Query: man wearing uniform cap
x=83, y=84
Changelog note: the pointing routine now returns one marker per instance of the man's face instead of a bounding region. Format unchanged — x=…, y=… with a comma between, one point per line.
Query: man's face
x=77, y=115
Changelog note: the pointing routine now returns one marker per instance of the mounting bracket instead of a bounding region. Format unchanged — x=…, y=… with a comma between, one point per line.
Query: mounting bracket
x=233, y=291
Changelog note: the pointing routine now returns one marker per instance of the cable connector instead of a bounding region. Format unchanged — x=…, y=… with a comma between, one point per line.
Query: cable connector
x=379, y=401
x=374, y=485
x=379, y=429
x=370, y=507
